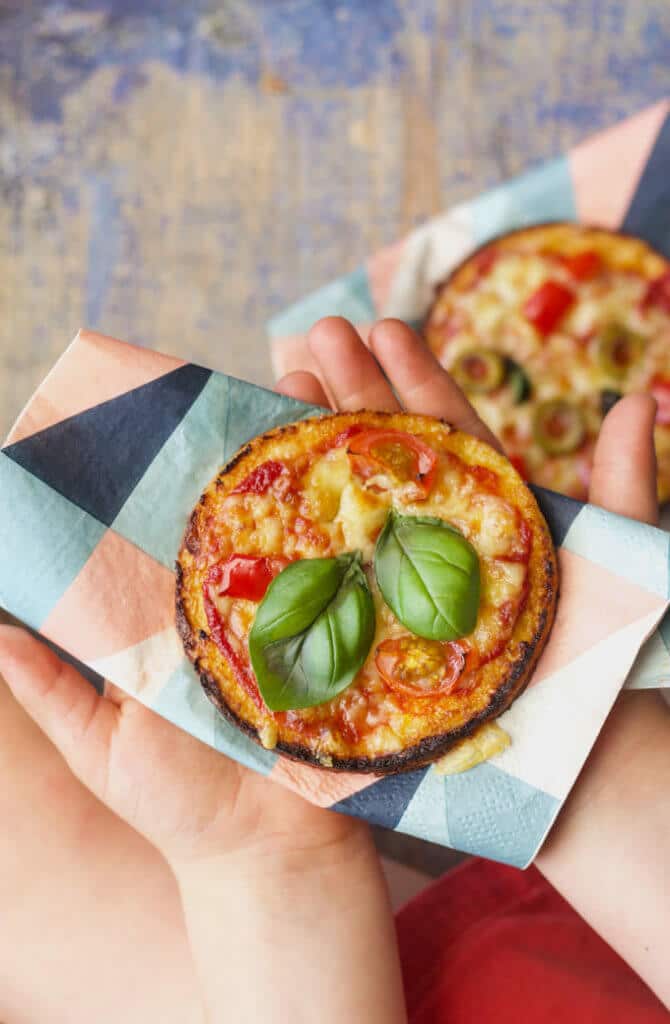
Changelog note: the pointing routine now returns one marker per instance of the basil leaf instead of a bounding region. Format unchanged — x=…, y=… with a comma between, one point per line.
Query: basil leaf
x=428, y=574
x=312, y=632
x=296, y=596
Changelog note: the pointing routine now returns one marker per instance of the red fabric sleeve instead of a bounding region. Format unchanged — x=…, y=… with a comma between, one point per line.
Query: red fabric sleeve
x=488, y=943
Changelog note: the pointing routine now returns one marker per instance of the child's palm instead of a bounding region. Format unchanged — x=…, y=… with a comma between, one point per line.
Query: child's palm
x=183, y=796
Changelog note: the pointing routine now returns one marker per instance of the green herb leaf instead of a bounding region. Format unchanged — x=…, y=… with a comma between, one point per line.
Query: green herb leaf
x=518, y=381
x=428, y=574
x=312, y=632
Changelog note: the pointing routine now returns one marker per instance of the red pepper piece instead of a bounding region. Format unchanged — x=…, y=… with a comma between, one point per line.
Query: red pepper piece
x=583, y=266
x=658, y=293
x=248, y=576
x=261, y=478
x=548, y=305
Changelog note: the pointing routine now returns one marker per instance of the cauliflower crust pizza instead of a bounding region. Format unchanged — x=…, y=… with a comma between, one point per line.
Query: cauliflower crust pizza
x=362, y=591
x=545, y=329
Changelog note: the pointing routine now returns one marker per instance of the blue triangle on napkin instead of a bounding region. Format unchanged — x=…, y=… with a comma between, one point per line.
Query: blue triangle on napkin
x=130, y=429
x=559, y=511
x=649, y=211
x=384, y=802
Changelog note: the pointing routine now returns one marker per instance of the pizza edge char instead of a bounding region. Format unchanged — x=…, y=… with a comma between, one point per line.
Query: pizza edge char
x=554, y=235
x=514, y=672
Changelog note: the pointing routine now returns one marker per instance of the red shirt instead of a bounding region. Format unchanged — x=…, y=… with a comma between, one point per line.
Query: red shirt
x=487, y=944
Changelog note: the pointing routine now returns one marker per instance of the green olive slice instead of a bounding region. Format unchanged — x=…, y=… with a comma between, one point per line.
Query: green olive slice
x=608, y=399
x=558, y=426
x=480, y=370
x=619, y=349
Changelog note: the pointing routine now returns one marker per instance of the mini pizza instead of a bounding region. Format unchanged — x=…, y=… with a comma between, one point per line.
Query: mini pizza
x=363, y=591
x=545, y=329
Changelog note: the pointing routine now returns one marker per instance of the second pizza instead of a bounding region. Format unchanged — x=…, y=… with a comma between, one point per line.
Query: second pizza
x=545, y=329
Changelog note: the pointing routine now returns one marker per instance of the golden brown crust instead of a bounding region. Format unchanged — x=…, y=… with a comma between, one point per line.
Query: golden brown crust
x=502, y=680
x=565, y=238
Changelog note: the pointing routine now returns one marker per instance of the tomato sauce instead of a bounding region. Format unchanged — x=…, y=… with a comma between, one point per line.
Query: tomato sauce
x=522, y=547
x=347, y=717
x=240, y=667
x=307, y=528
x=486, y=479
x=345, y=725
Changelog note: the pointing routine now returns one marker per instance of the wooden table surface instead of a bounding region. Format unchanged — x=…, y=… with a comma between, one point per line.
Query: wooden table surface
x=175, y=173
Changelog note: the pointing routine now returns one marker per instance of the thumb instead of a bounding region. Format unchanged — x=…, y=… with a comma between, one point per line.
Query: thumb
x=624, y=468
x=77, y=720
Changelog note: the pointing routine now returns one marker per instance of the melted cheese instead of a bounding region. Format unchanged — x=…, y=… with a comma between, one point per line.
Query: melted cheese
x=486, y=519
x=489, y=522
x=503, y=581
x=496, y=523
x=515, y=278
x=361, y=516
x=490, y=739
x=355, y=513
x=268, y=733
x=270, y=535
x=325, y=482
x=329, y=509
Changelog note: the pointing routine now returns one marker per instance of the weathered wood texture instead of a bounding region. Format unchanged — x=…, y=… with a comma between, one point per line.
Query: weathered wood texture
x=175, y=173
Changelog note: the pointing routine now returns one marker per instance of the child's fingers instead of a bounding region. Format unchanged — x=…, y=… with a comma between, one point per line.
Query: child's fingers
x=423, y=385
x=304, y=386
x=78, y=721
x=624, y=469
x=115, y=695
x=350, y=371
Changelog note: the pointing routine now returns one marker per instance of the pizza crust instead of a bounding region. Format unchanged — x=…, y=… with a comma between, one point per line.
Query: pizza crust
x=621, y=251
x=430, y=725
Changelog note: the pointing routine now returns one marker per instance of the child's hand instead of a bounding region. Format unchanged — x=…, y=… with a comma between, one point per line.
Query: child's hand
x=187, y=799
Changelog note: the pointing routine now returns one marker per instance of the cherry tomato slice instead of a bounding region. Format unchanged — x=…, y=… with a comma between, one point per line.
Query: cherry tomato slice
x=420, y=668
x=583, y=266
x=404, y=455
x=247, y=576
x=261, y=478
x=658, y=293
x=548, y=305
x=660, y=389
x=345, y=435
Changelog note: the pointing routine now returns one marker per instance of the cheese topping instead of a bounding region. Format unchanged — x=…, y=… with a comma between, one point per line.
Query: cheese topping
x=488, y=741
x=331, y=504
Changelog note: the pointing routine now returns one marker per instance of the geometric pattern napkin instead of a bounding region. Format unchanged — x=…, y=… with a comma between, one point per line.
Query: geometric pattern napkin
x=97, y=480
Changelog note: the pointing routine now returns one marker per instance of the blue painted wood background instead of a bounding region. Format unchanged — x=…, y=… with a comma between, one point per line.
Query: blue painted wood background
x=174, y=173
